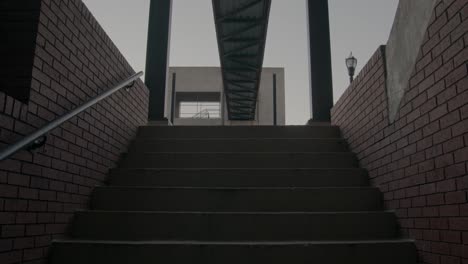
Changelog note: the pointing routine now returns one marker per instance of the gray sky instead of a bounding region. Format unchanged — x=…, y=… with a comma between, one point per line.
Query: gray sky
x=359, y=26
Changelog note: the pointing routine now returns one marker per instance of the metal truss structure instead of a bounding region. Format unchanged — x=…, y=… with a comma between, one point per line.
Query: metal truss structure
x=241, y=27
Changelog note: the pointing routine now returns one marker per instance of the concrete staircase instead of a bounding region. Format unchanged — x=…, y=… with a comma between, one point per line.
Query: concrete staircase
x=227, y=195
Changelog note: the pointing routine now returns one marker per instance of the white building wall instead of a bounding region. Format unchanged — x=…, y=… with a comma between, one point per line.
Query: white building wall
x=209, y=79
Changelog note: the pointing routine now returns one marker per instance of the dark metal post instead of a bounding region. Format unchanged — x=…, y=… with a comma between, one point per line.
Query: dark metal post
x=320, y=60
x=173, y=97
x=275, y=110
x=157, y=56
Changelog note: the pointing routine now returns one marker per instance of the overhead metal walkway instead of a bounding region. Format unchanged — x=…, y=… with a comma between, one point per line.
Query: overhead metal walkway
x=241, y=28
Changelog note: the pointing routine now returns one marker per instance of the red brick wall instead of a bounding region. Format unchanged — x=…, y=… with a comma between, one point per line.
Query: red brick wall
x=420, y=161
x=74, y=60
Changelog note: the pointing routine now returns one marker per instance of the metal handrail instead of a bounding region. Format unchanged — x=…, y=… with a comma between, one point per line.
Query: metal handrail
x=38, y=138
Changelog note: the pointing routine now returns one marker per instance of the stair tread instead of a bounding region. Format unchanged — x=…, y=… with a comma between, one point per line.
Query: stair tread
x=244, y=159
x=235, y=188
x=236, y=199
x=236, y=213
x=240, y=243
x=239, y=177
x=238, y=169
x=238, y=145
x=250, y=153
x=274, y=194
x=279, y=252
x=239, y=139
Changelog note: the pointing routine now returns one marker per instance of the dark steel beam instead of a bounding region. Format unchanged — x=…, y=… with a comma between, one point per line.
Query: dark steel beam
x=320, y=60
x=275, y=110
x=157, y=56
x=173, y=97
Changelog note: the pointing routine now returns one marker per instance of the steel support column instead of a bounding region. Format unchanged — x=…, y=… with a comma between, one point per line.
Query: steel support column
x=320, y=60
x=157, y=57
x=275, y=99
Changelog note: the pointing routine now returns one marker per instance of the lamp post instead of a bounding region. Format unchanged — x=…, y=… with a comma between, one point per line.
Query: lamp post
x=351, y=63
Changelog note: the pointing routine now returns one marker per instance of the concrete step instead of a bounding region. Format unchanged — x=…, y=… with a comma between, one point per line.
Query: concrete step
x=239, y=145
x=209, y=226
x=237, y=200
x=240, y=160
x=239, y=132
x=239, y=177
x=150, y=252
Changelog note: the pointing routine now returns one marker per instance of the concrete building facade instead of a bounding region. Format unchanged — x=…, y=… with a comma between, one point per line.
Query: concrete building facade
x=195, y=96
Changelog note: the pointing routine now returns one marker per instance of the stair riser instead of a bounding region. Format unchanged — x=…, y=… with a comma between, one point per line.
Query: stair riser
x=233, y=145
x=294, y=200
x=241, y=178
x=234, y=227
x=239, y=132
x=244, y=160
x=391, y=253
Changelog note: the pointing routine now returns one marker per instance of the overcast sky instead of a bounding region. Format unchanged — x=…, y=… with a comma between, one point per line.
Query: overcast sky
x=359, y=26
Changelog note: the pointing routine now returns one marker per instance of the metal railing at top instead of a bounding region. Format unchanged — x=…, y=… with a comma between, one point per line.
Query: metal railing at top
x=39, y=138
x=200, y=110
x=205, y=114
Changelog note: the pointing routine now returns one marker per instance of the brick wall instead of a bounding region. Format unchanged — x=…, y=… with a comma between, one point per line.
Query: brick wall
x=420, y=161
x=74, y=60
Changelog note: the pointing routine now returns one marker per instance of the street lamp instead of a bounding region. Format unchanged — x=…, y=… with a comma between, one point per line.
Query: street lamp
x=351, y=63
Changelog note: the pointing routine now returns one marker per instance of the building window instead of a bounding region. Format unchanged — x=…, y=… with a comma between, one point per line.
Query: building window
x=204, y=105
x=200, y=110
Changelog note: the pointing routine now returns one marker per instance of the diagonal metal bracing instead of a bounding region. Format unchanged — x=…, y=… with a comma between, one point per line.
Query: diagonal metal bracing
x=239, y=49
x=240, y=100
x=244, y=63
x=239, y=30
x=239, y=76
x=243, y=56
x=242, y=105
x=243, y=20
x=239, y=82
x=237, y=69
x=241, y=27
x=241, y=93
x=232, y=11
x=243, y=88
